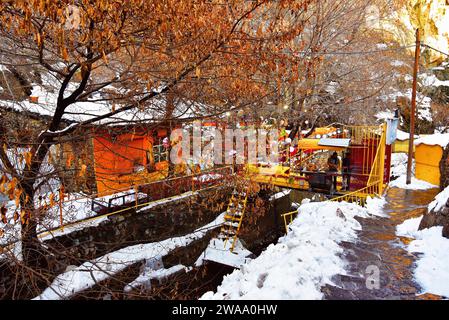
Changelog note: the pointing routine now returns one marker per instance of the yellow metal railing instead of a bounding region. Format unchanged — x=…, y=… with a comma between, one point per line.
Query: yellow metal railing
x=288, y=218
x=367, y=138
x=377, y=170
x=359, y=196
x=375, y=184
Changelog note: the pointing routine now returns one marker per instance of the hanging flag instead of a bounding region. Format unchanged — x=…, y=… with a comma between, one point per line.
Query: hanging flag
x=392, y=128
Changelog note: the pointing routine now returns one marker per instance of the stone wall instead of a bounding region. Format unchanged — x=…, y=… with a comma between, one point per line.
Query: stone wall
x=118, y=231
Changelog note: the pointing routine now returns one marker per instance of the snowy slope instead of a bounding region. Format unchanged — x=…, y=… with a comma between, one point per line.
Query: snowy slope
x=89, y=273
x=302, y=261
x=432, y=266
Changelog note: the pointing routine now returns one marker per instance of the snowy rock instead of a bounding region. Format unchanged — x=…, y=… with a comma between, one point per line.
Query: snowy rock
x=438, y=213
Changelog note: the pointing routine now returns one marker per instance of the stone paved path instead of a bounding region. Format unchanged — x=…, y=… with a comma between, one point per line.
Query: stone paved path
x=379, y=246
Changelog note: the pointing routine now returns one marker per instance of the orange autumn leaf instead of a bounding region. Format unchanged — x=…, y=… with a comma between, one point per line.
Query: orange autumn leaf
x=198, y=72
x=27, y=156
x=52, y=200
x=23, y=217
x=83, y=170
x=17, y=194
x=69, y=160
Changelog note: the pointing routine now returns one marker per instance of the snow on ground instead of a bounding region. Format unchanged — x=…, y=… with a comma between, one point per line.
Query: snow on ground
x=409, y=228
x=375, y=205
x=279, y=194
x=76, y=216
x=432, y=81
x=153, y=270
x=441, y=139
x=422, y=105
x=89, y=273
x=415, y=184
x=220, y=252
x=302, y=261
x=72, y=210
x=440, y=200
x=75, y=226
x=432, y=266
x=399, y=164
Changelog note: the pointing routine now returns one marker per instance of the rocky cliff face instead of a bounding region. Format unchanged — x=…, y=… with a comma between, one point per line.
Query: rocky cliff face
x=432, y=17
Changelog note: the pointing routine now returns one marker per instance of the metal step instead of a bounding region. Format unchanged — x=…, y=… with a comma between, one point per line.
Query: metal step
x=241, y=194
x=228, y=233
x=234, y=213
x=232, y=218
x=231, y=224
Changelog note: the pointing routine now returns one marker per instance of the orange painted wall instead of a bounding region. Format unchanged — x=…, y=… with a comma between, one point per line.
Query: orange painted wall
x=427, y=161
x=116, y=161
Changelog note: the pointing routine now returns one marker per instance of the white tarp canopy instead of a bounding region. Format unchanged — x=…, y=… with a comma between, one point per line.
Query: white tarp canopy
x=334, y=142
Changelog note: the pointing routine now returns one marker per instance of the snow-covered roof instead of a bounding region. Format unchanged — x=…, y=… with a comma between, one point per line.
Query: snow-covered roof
x=97, y=105
x=402, y=135
x=383, y=115
x=441, y=139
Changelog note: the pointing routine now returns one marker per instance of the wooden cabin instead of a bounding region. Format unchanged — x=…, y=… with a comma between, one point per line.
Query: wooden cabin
x=129, y=158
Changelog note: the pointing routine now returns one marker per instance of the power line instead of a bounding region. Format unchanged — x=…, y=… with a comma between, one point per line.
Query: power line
x=430, y=47
x=371, y=51
x=357, y=52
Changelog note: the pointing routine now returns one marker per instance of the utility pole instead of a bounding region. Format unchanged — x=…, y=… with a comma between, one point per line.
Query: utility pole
x=413, y=109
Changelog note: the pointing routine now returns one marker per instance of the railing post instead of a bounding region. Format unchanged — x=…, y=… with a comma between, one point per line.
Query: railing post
x=382, y=158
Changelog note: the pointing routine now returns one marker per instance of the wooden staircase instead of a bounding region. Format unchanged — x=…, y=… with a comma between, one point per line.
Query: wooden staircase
x=234, y=215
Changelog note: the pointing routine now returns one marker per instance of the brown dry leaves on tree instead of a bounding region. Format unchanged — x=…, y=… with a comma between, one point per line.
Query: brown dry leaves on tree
x=222, y=53
x=224, y=47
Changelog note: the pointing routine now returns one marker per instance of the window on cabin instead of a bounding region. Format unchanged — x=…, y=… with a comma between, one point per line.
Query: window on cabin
x=160, y=153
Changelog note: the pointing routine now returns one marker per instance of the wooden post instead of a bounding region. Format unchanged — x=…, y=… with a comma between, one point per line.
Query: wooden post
x=413, y=109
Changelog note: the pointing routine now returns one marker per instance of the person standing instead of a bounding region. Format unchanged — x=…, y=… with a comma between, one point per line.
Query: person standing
x=333, y=163
x=346, y=170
